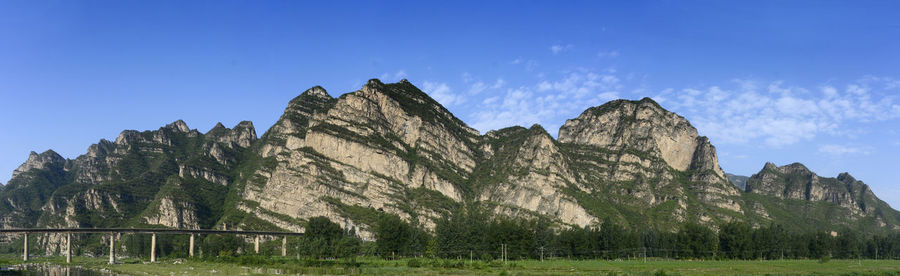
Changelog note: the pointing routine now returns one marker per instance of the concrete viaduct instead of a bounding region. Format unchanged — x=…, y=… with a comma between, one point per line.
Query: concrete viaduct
x=152, y=231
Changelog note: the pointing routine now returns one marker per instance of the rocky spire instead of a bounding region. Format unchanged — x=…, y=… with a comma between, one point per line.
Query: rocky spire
x=179, y=125
x=39, y=161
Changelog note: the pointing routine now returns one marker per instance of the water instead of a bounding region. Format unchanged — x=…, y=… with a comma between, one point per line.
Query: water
x=53, y=270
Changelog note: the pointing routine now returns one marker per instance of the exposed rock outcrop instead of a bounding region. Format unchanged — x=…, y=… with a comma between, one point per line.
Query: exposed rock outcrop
x=796, y=181
x=390, y=148
x=39, y=161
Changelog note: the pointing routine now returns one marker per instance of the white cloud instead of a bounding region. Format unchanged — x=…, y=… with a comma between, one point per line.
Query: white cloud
x=393, y=77
x=842, y=150
x=442, y=93
x=558, y=48
x=479, y=87
x=527, y=63
x=608, y=54
x=779, y=115
x=466, y=77
x=547, y=102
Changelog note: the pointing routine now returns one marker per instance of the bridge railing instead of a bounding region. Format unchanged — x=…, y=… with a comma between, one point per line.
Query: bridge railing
x=152, y=231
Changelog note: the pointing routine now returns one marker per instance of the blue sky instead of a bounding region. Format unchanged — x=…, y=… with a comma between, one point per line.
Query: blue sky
x=816, y=82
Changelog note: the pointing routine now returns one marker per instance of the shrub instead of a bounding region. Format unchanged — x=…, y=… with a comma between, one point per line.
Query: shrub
x=413, y=263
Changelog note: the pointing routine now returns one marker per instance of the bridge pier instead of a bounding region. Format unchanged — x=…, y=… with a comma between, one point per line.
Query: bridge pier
x=153, y=248
x=68, y=248
x=256, y=245
x=25, y=256
x=116, y=234
x=112, y=248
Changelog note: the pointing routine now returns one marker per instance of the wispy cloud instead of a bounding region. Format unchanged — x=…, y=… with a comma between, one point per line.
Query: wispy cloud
x=479, y=87
x=547, y=102
x=840, y=150
x=393, y=77
x=558, y=48
x=778, y=114
x=608, y=54
x=442, y=93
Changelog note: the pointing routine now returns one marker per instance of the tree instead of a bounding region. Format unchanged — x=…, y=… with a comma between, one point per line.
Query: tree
x=326, y=239
x=697, y=241
x=394, y=236
x=735, y=240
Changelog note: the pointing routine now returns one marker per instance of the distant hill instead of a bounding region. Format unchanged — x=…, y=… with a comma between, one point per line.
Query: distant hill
x=738, y=180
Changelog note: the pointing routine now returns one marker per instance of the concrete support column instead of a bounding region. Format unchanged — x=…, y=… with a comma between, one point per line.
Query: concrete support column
x=68, y=248
x=256, y=245
x=191, y=250
x=25, y=256
x=153, y=248
x=112, y=248
x=284, y=246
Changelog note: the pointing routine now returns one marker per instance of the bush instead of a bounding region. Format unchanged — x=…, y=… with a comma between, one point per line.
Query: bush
x=413, y=263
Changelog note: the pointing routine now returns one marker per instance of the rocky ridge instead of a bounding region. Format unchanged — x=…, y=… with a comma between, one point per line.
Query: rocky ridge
x=390, y=148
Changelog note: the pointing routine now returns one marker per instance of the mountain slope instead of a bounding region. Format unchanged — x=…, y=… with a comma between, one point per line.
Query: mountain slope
x=795, y=195
x=390, y=148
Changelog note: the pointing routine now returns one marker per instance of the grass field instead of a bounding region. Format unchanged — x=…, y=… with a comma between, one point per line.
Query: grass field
x=371, y=266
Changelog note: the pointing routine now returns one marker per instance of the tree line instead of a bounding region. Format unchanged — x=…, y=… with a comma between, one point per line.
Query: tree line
x=478, y=235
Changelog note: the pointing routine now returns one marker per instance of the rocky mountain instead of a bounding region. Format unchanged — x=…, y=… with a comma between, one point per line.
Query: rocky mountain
x=390, y=148
x=811, y=200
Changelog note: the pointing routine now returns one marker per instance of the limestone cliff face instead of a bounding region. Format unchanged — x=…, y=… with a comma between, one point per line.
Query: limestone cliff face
x=654, y=155
x=644, y=126
x=385, y=147
x=531, y=174
x=390, y=148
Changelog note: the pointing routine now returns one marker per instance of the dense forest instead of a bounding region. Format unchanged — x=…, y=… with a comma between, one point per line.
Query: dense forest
x=476, y=235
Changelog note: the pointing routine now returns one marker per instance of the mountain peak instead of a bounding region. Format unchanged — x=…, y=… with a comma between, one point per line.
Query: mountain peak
x=179, y=125
x=846, y=177
x=374, y=83
x=39, y=161
x=242, y=135
x=317, y=91
x=620, y=123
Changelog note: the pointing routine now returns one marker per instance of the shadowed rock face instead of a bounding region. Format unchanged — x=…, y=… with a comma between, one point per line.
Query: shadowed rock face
x=392, y=148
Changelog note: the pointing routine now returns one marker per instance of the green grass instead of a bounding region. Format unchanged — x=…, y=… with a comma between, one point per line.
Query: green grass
x=374, y=266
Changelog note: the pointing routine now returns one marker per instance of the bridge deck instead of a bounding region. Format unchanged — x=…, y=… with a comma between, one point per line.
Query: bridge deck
x=145, y=231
